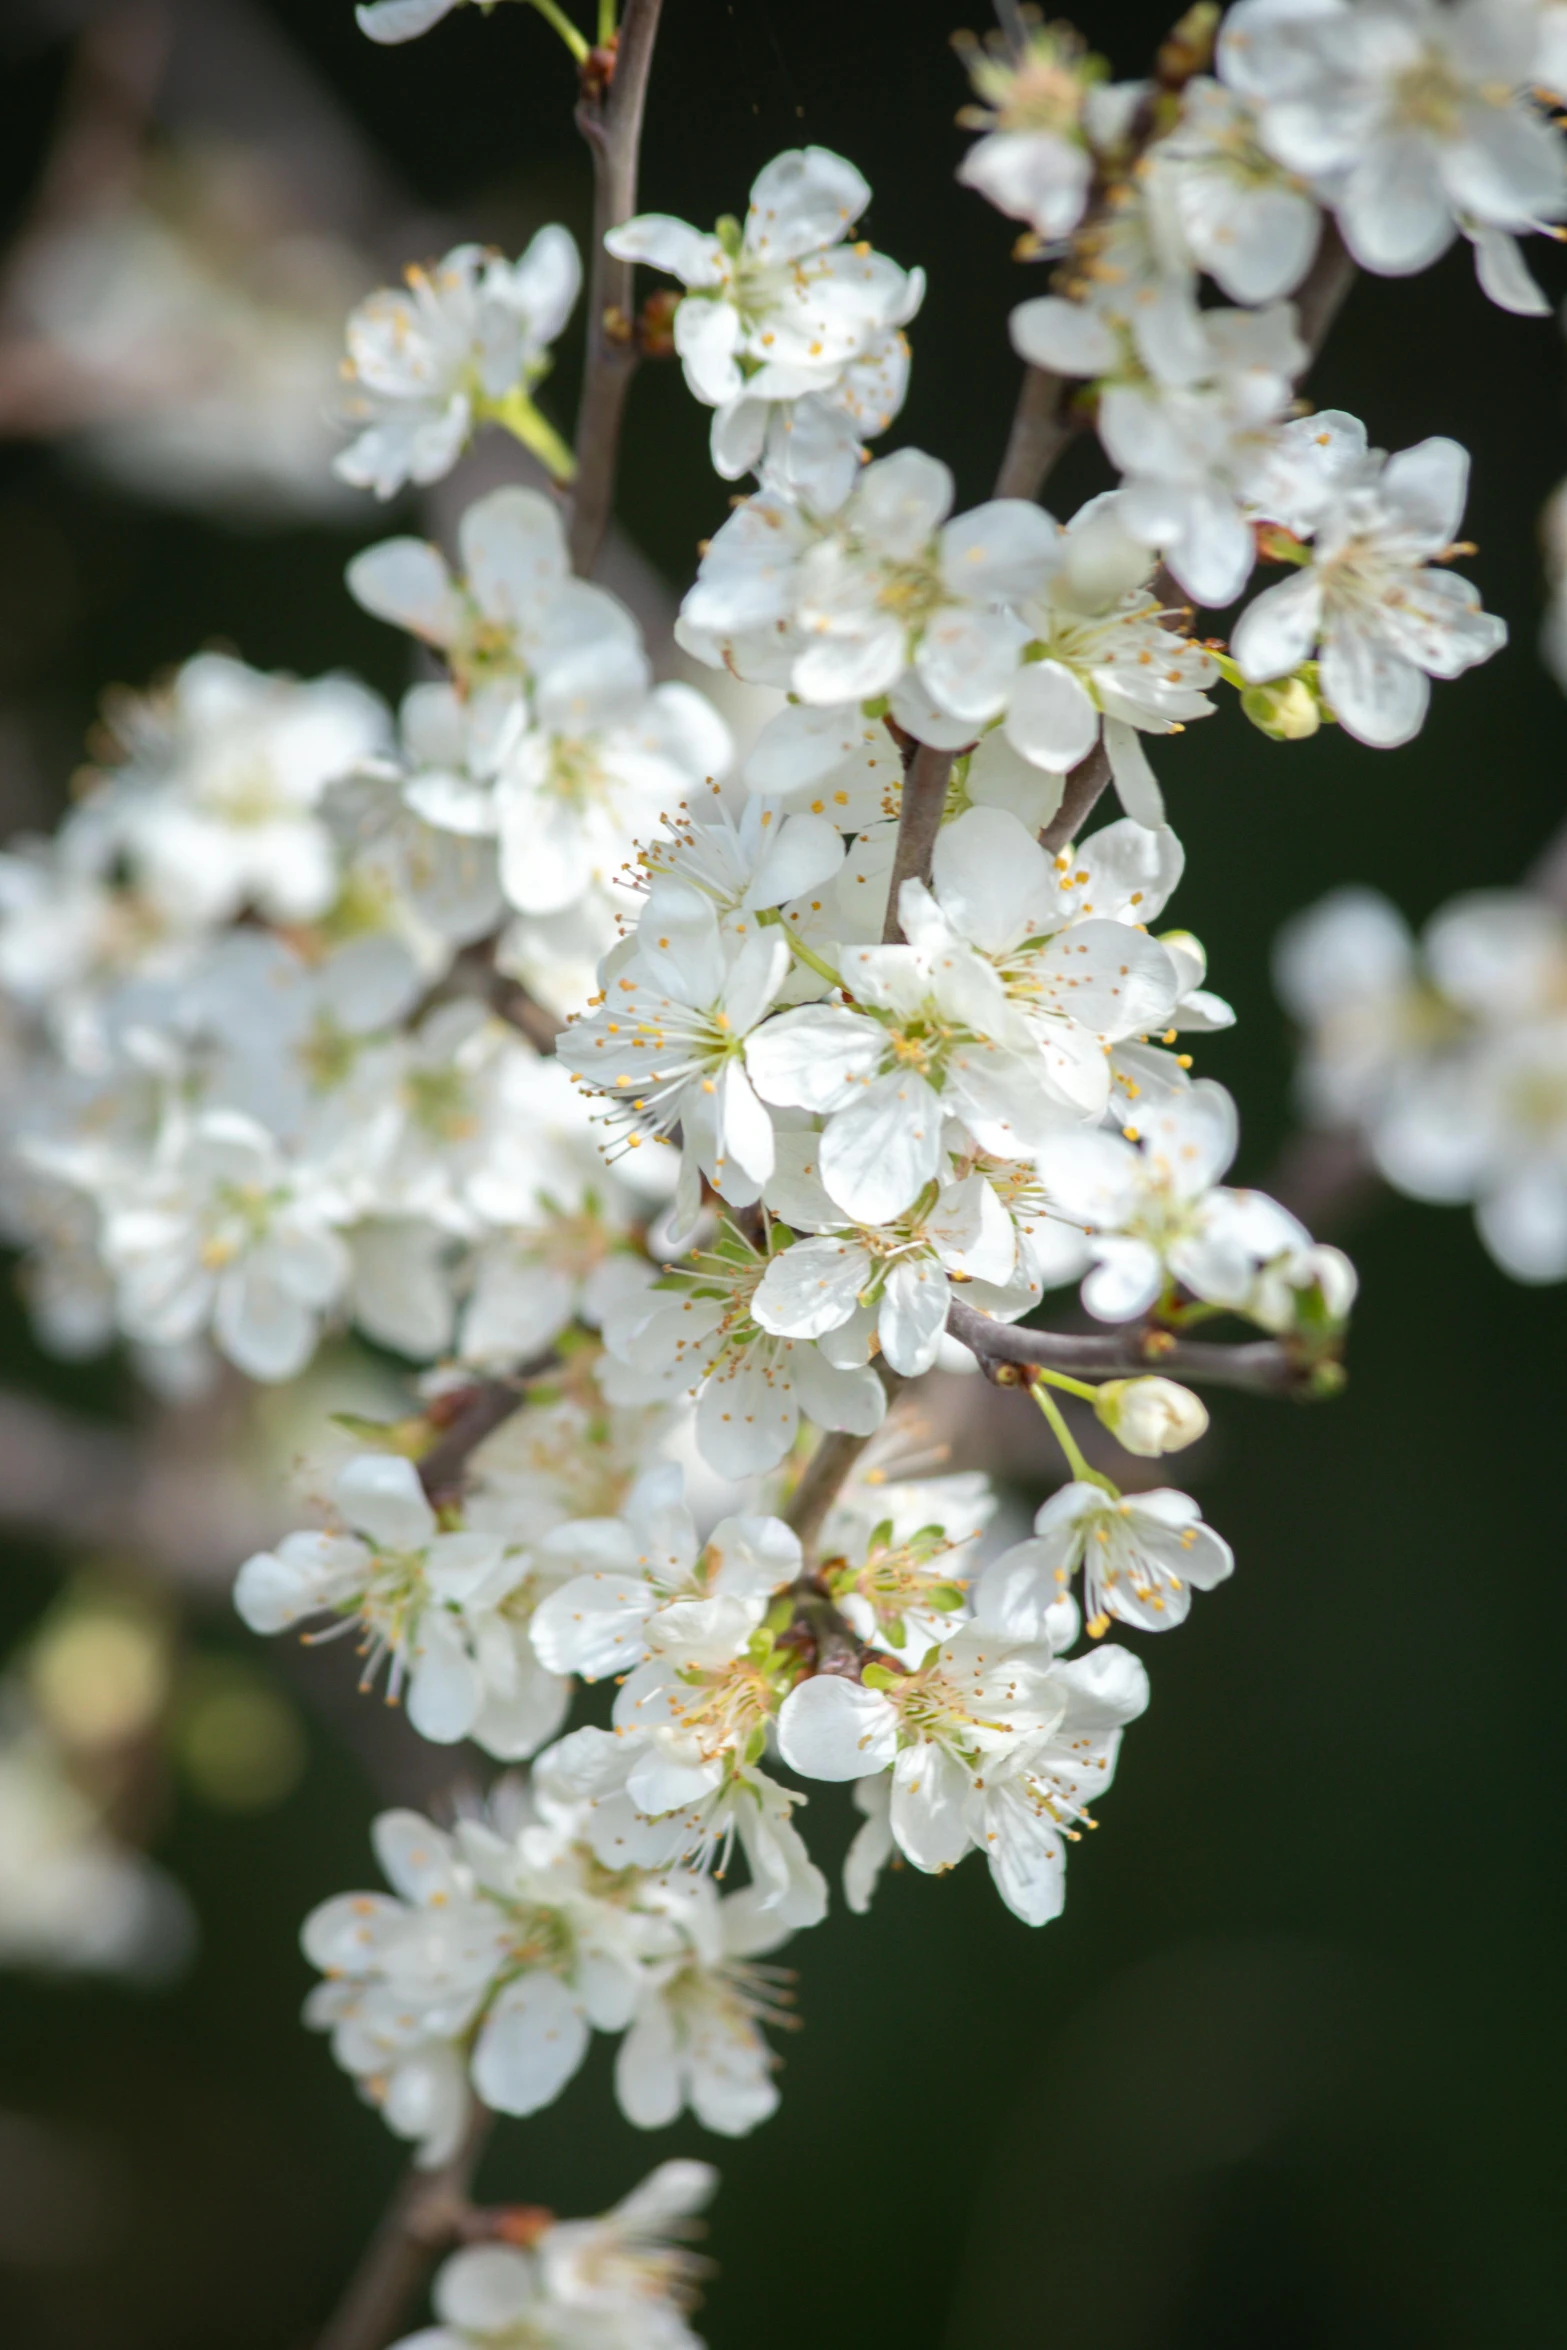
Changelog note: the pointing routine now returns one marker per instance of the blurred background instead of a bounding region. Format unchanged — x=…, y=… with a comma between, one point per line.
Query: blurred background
x=1289, y=2070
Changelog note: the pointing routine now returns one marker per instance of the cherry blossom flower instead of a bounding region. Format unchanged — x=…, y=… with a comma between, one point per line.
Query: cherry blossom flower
x=515, y=602
x=894, y=1278
x=667, y=1039
x=778, y=309
x=1034, y=161
x=617, y=1575
x=1251, y=225
x=447, y=1612
x=426, y=365
x=219, y=1233
x=1385, y=619
x=1414, y=121
x=1155, y=1214
x=1142, y=1555
x=216, y=803
x=695, y=1335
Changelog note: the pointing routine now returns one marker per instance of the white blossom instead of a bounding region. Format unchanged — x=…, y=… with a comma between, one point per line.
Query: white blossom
x=1034, y=161
x=1141, y=1555
x=1155, y=1213
x=1251, y=225
x=779, y=310
x=426, y=365
x=1411, y=119
x=220, y=1234
x=618, y=1575
x=510, y=1942
x=446, y=1612
x=695, y=1335
x=1385, y=620
x=667, y=1040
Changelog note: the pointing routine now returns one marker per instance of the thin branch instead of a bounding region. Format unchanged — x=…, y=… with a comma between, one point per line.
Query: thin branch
x=919, y=821
x=1261, y=1367
x=1321, y=293
x=482, y=1409
x=1042, y=424
x=826, y=1471
x=817, y=1490
x=427, y=2213
x=609, y=116
x=1084, y=784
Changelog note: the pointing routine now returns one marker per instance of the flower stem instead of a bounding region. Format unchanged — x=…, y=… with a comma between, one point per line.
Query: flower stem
x=801, y=952
x=1064, y=1437
x=524, y=422
x=1077, y=1387
x=553, y=14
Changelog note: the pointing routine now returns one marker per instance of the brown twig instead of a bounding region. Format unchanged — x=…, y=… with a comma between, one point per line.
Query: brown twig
x=1042, y=424
x=609, y=116
x=826, y=1470
x=427, y=2214
x=817, y=1490
x=919, y=821
x=1260, y=1367
x=482, y=1408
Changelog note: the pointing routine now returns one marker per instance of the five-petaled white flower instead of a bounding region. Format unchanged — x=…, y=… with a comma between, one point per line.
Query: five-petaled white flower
x=1142, y=1555
x=424, y=366
x=1385, y=619
x=445, y=1612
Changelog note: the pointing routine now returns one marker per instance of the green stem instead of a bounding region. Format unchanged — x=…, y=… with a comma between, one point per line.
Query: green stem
x=554, y=14
x=1063, y=1436
x=607, y=13
x=1077, y=1387
x=517, y=413
x=802, y=953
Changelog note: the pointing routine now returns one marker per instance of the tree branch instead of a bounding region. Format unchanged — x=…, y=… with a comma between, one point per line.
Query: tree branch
x=1261, y=1367
x=609, y=116
x=476, y=1414
x=1042, y=425
x=427, y=2213
x=919, y=821
x=825, y=1472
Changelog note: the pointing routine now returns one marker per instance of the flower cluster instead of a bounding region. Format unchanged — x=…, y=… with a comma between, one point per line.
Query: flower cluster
x=623, y=2281
x=790, y=334
x=1447, y=1057
x=462, y=346
x=936, y=1116
x=250, y=1097
x=671, y=1102
x=501, y=1950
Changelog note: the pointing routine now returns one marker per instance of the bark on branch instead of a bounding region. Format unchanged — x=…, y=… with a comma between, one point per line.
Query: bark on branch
x=426, y=2216
x=609, y=116
x=919, y=821
x=1260, y=1367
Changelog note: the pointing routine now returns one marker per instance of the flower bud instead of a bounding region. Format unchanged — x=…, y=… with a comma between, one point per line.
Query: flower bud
x=1150, y=1416
x=1286, y=711
x=1328, y=1273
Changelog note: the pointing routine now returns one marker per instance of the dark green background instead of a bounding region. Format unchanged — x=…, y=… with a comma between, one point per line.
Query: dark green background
x=1289, y=2072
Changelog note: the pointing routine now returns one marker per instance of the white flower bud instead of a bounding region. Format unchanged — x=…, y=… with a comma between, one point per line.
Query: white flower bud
x=1150, y=1416
x=1286, y=711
